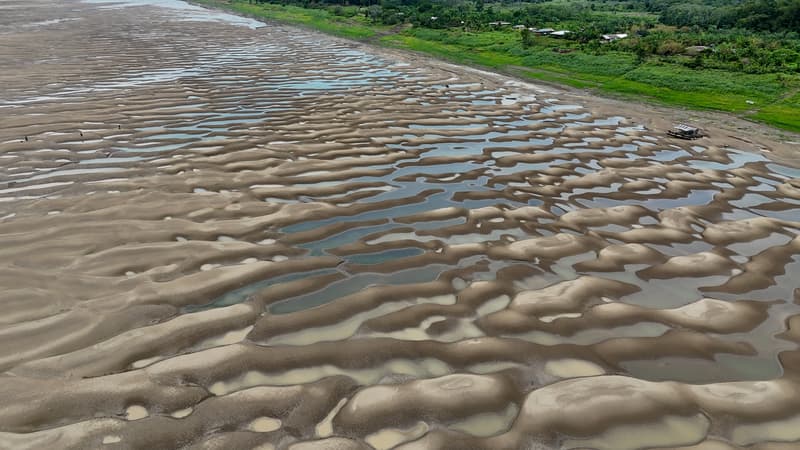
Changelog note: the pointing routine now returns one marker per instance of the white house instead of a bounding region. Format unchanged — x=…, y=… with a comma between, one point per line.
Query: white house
x=614, y=37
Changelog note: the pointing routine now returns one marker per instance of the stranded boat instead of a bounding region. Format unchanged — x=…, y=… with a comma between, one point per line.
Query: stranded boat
x=685, y=132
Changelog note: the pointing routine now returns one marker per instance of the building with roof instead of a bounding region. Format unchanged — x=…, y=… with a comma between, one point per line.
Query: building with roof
x=614, y=37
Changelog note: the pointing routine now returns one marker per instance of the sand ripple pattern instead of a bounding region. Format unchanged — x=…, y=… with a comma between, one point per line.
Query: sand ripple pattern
x=220, y=236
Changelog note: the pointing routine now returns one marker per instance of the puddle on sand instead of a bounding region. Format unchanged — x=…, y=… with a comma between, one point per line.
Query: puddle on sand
x=354, y=284
x=487, y=424
x=671, y=431
x=426, y=368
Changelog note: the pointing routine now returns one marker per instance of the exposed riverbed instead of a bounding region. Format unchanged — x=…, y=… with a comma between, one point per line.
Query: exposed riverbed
x=218, y=233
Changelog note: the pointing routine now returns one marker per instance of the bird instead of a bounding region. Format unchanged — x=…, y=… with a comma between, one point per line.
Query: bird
x=26, y=138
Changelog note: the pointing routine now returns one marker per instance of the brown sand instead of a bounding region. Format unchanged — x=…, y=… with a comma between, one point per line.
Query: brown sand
x=215, y=236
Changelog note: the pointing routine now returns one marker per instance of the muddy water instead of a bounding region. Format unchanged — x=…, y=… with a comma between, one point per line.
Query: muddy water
x=223, y=234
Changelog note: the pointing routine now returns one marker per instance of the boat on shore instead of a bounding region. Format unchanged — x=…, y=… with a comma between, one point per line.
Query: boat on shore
x=683, y=131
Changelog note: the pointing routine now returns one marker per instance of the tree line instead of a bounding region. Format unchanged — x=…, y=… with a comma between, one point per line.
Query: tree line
x=753, y=36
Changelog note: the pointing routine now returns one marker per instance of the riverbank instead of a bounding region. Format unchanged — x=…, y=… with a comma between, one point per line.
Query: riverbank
x=767, y=98
x=728, y=128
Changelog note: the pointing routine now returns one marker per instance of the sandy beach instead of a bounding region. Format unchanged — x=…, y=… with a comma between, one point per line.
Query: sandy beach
x=219, y=233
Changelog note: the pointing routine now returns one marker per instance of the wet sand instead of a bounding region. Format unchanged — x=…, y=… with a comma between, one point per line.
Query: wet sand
x=218, y=234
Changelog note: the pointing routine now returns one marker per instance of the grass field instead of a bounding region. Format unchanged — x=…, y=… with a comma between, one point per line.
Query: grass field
x=319, y=19
x=767, y=98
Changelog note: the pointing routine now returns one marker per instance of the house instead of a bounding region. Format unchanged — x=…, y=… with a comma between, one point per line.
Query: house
x=695, y=50
x=560, y=33
x=614, y=37
x=499, y=24
x=519, y=27
x=543, y=30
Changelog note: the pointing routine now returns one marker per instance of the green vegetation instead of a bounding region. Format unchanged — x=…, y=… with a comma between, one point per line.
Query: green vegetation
x=346, y=22
x=739, y=56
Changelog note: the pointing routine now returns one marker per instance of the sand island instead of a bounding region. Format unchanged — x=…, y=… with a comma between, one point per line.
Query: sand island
x=219, y=233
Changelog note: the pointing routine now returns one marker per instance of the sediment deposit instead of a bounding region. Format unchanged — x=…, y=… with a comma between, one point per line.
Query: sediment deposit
x=218, y=233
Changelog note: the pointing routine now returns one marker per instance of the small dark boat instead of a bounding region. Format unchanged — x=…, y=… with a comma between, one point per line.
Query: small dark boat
x=685, y=132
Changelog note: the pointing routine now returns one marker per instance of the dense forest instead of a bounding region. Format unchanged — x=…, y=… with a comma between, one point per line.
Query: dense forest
x=759, y=15
x=751, y=36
